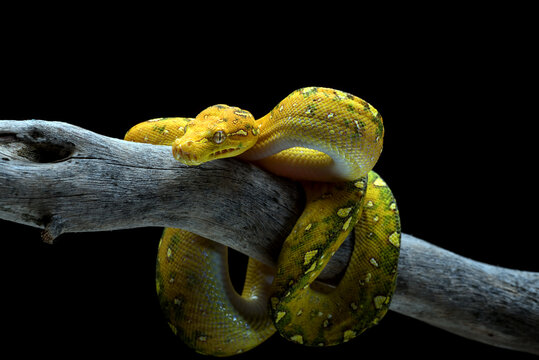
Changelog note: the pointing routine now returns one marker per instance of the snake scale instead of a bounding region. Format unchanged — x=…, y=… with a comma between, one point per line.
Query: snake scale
x=327, y=139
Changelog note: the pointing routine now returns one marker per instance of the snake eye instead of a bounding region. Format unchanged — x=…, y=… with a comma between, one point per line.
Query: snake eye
x=219, y=137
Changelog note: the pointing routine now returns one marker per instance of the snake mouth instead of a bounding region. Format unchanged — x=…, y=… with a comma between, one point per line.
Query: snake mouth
x=189, y=158
x=221, y=152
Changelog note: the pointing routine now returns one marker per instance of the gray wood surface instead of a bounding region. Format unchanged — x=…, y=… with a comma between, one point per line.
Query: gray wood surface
x=63, y=178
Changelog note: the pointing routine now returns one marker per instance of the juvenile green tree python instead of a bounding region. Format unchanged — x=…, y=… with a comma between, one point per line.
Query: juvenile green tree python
x=327, y=139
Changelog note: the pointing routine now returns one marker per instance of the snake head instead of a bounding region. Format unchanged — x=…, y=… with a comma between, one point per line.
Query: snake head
x=219, y=131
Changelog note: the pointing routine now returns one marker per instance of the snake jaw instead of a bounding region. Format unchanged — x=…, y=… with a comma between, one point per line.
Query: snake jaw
x=218, y=154
x=195, y=153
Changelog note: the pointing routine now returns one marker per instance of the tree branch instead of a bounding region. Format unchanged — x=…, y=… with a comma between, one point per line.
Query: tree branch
x=63, y=178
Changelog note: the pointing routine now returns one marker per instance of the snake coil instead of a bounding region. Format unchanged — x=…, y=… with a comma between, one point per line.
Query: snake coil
x=329, y=140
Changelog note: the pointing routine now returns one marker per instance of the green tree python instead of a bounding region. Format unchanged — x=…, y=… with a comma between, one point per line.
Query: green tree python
x=328, y=140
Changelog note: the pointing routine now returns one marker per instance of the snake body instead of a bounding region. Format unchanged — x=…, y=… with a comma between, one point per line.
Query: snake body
x=327, y=139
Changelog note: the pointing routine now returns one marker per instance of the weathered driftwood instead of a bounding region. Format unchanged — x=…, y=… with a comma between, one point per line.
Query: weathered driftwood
x=63, y=178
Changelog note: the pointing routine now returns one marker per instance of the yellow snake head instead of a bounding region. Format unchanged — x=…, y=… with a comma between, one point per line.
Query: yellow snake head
x=219, y=131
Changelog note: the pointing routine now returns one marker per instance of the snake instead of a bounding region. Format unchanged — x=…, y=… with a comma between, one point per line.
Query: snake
x=329, y=141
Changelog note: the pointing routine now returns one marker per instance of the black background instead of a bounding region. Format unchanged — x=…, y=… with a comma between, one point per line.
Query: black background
x=457, y=94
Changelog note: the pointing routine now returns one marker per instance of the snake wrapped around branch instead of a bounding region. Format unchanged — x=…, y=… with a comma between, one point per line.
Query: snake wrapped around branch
x=330, y=141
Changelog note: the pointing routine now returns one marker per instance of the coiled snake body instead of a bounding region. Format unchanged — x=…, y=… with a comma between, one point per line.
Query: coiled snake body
x=328, y=139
